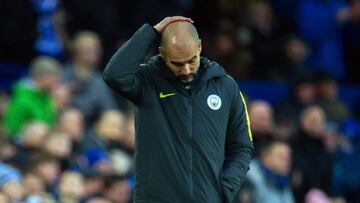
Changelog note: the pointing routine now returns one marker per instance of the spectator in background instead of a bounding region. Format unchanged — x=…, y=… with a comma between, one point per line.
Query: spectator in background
x=312, y=161
x=108, y=130
x=10, y=183
x=302, y=93
x=261, y=119
x=93, y=185
x=71, y=187
x=59, y=145
x=265, y=42
x=112, y=134
x=89, y=93
x=48, y=169
x=319, y=24
x=71, y=123
x=117, y=189
x=35, y=186
x=269, y=176
x=226, y=51
x=32, y=99
x=327, y=89
x=296, y=54
x=33, y=137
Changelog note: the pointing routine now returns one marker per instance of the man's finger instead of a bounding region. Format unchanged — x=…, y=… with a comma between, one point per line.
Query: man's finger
x=179, y=18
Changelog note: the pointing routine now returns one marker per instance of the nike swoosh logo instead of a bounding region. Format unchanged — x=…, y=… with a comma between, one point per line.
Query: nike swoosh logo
x=162, y=95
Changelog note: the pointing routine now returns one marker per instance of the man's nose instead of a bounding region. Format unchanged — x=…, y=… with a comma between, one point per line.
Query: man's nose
x=186, y=70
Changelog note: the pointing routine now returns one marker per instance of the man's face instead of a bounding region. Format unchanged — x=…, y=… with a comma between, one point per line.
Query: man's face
x=279, y=159
x=183, y=61
x=48, y=83
x=88, y=51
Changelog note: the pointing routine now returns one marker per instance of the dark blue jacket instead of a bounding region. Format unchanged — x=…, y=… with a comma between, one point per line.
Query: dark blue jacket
x=191, y=145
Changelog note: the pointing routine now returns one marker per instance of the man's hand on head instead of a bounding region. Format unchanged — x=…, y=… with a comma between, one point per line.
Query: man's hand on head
x=168, y=20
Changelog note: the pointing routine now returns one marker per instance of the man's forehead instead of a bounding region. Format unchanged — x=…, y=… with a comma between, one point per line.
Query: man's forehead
x=182, y=59
x=176, y=52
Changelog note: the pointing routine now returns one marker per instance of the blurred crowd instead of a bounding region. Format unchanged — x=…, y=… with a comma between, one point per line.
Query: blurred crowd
x=65, y=137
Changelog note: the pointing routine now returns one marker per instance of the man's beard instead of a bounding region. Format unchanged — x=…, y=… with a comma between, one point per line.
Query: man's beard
x=186, y=78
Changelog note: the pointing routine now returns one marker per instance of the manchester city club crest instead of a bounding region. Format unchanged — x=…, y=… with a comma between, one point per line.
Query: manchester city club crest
x=214, y=102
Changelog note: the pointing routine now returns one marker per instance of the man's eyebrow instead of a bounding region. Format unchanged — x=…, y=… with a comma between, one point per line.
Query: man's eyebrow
x=180, y=62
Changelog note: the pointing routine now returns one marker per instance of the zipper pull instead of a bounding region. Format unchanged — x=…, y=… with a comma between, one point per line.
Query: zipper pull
x=188, y=89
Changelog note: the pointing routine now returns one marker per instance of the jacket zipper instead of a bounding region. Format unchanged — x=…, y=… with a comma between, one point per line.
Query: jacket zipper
x=191, y=147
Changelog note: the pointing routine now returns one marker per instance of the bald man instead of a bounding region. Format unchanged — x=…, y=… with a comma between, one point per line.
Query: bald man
x=193, y=139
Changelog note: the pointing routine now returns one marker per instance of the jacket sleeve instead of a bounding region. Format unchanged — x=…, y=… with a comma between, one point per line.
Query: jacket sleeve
x=122, y=71
x=238, y=147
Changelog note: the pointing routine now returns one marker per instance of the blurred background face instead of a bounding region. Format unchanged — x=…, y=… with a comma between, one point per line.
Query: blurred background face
x=72, y=185
x=48, y=83
x=111, y=125
x=278, y=159
x=93, y=185
x=183, y=61
x=261, y=14
x=72, y=123
x=33, y=184
x=328, y=90
x=305, y=93
x=225, y=44
x=261, y=117
x=59, y=145
x=49, y=171
x=119, y=192
x=313, y=121
x=87, y=49
x=14, y=190
x=34, y=134
x=296, y=50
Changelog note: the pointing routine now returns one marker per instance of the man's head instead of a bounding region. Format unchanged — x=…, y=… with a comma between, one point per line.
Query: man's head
x=117, y=189
x=261, y=117
x=86, y=47
x=71, y=122
x=180, y=49
x=58, y=145
x=276, y=156
x=33, y=134
x=313, y=120
x=71, y=186
x=46, y=166
x=45, y=71
x=111, y=125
